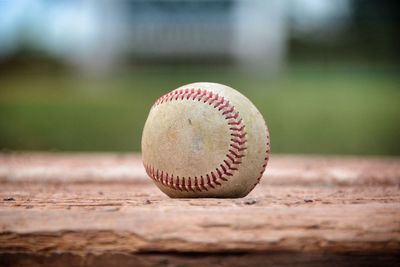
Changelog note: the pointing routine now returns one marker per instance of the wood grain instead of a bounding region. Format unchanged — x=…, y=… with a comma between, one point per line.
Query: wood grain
x=102, y=205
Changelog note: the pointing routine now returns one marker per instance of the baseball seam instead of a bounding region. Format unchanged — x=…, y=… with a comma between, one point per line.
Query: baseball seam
x=266, y=158
x=235, y=153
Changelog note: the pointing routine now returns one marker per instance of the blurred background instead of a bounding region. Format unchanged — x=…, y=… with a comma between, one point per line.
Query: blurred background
x=82, y=75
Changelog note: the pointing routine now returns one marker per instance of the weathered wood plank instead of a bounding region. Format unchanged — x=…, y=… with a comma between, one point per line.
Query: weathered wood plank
x=84, y=205
x=282, y=169
x=196, y=260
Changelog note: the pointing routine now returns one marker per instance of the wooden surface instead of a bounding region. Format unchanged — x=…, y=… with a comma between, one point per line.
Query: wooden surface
x=102, y=210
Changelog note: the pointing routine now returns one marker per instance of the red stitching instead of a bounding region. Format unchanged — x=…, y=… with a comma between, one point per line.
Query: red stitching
x=235, y=122
x=238, y=141
x=238, y=147
x=214, y=99
x=209, y=181
x=196, y=184
x=224, y=106
x=177, y=184
x=236, y=155
x=236, y=129
x=266, y=159
x=233, y=157
x=241, y=136
x=235, y=116
x=221, y=101
x=228, y=110
x=202, y=183
x=230, y=166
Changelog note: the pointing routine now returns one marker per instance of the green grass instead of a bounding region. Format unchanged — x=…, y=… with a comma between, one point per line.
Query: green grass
x=340, y=110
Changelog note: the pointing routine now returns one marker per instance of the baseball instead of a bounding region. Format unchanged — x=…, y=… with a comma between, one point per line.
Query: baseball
x=205, y=140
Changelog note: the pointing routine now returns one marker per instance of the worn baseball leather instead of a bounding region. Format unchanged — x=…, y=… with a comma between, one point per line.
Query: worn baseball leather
x=205, y=140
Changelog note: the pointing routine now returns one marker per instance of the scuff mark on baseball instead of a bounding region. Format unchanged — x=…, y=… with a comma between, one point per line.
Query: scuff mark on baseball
x=205, y=140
